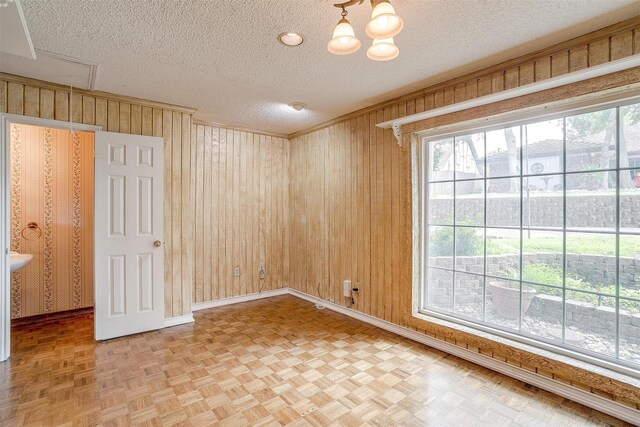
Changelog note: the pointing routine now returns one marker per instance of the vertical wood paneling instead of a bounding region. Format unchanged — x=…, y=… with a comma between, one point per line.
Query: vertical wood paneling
x=527, y=75
x=215, y=214
x=578, y=58
x=136, y=119
x=252, y=261
x=102, y=117
x=198, y=290
x=497, y=81
x=113, y=116
x=147, y=121
x=253, y=172
x=471, y=90
x=176, y=210
x=31, y=101
x=47, y=103
x=3, y=96
x=188, y=212
x=243, y=230
x=542, y=68
x=511, y=78
x=88, y=110
x=484, y=85
x=222, y=213
x=262, y=199
x=125, y=118
x=15, y=93
x=235, y=211
x=599, y=52
x=227, y=282
x=621, y=45
x=206, y=230
x=61, y=105
x=559, y=64
x=357, y=223
x=287, y=212
x=76, y=107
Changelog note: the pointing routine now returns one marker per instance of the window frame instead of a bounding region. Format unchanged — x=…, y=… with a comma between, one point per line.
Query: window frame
x=421, y=180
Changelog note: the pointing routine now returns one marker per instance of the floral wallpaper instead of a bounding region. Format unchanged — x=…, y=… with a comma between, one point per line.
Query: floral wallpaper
x=51, y=185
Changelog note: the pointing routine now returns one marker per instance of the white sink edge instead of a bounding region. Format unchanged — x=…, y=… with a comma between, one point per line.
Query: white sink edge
x=18, y=261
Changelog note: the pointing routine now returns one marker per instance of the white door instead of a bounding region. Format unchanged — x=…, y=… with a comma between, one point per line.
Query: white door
x=129, y=257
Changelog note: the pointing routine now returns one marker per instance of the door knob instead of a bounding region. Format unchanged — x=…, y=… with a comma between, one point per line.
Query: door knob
x=157, y=243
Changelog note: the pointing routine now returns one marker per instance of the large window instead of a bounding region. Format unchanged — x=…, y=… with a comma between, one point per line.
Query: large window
x=533, y=228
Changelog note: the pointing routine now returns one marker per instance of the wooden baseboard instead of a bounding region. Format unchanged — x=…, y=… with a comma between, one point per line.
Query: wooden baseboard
x=47, y=317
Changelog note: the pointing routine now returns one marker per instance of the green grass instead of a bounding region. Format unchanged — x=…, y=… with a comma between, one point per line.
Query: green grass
x=543, y=273
x=593, y=245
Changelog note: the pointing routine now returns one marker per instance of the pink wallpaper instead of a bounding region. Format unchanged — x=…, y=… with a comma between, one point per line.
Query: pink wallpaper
x=52, y=185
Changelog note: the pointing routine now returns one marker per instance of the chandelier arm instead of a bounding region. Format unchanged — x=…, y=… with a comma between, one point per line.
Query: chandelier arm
x=348, y=3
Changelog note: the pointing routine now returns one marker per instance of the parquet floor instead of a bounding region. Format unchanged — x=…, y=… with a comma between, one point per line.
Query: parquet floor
x=269, y=362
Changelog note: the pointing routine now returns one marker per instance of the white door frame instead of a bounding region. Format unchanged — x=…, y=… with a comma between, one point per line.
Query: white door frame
x=5, y=183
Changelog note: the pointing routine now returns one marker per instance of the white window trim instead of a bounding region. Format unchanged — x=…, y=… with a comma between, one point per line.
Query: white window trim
x=591, y=102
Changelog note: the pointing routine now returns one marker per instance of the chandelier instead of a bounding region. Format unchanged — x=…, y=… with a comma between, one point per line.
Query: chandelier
x=384, y=25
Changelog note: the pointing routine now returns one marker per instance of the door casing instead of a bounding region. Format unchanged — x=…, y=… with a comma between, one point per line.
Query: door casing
x=6, y=120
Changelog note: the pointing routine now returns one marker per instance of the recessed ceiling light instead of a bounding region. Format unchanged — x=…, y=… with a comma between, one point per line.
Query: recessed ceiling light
x=290, y=39
x=298, y=106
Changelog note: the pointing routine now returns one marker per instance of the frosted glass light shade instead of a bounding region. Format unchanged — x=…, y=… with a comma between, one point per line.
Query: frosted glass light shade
x=384, y=22
x=383, y=50
x=344, y=40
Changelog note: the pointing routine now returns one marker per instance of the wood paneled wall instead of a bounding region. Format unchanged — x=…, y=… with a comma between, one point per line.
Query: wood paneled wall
x=119, y=114
x=241, y=212
x=351, y=214
x=226, y=190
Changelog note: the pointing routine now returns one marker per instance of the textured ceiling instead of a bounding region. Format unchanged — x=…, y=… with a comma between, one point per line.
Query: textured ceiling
x=222, y=56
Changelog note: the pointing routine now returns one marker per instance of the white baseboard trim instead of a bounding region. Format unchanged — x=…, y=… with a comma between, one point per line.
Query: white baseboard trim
x=238, y=299
x=178, y=320
x=577, y=395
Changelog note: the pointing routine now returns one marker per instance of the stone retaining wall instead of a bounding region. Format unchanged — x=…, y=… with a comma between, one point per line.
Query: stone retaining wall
x=543, y=209
x=586, y=317
x=595, y=269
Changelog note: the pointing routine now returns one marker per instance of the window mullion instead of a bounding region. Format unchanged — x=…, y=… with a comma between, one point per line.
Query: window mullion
x=564, y=228
x=455, y=223
x=484, y=232
x=617, y=321
x=522, y=154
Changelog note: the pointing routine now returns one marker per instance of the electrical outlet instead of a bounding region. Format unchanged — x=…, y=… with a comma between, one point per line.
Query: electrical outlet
x=346, y=288
x=236, y=272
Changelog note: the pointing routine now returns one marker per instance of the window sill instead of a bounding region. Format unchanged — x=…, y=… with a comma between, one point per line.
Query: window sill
x=567, y=357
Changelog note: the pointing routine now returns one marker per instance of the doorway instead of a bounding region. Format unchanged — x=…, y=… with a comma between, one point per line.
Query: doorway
x=51, y=221
x=48, y=199
x=125, y=213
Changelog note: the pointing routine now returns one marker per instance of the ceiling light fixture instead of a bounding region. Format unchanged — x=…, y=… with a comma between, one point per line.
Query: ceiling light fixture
x=344, y=40
x=384, y=25
x=290, y=39
x=383, y=50
x=298, y=106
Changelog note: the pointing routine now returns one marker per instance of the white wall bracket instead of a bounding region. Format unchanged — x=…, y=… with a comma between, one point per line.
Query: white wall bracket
x=397, y=132
x=553, y=82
